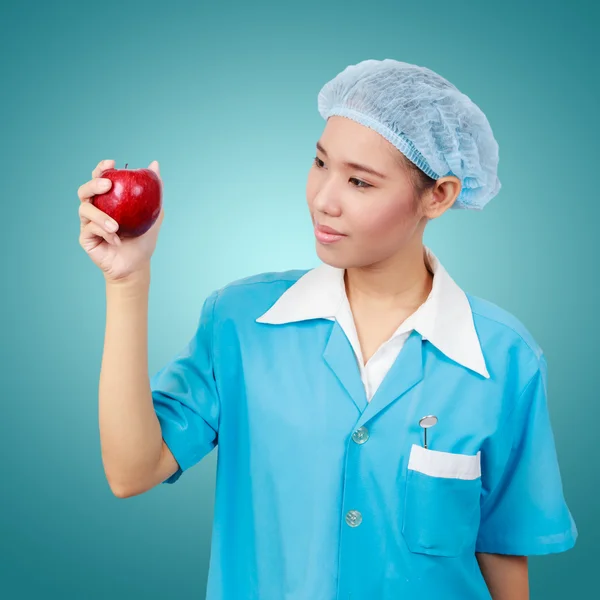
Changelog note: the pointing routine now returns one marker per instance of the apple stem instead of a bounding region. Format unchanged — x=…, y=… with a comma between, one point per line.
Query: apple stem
x=126, y=165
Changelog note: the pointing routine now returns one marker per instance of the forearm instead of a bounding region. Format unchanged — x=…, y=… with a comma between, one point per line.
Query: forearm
x=506, y=576
x=130, y=432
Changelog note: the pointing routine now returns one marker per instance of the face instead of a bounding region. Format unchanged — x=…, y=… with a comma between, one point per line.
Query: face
x=377, y=213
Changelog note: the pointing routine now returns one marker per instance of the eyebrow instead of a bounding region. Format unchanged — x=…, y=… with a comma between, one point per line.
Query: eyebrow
x=355, y=166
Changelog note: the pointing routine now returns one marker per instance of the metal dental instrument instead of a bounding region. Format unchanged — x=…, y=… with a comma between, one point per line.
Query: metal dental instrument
x=425, y=423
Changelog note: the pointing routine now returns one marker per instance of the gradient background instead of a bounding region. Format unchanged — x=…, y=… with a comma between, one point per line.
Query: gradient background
x=224, y=96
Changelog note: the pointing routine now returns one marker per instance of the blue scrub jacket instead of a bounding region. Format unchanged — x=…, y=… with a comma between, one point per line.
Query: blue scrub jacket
x=314, y=496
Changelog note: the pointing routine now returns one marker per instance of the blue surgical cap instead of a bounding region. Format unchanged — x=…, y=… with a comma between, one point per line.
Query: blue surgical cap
x=438, y=128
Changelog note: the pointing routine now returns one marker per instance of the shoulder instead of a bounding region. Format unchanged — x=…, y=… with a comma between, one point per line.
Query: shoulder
x=253, y=295
x=505, y=339
x=261, y=279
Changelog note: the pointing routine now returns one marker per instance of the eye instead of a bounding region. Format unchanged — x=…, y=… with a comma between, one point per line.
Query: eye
x=362, y=184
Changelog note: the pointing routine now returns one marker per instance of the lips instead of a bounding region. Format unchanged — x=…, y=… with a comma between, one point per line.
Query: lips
x=330, y=230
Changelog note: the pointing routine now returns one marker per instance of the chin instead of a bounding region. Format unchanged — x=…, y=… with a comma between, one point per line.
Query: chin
x=336, y=257
x=332, y=257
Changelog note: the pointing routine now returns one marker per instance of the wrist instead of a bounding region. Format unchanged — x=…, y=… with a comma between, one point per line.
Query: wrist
x=137, y=279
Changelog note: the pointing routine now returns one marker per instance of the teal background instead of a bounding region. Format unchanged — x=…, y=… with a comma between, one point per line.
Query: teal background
x=224, y=96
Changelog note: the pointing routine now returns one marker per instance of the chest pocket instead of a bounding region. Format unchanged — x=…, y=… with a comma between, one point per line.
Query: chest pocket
x=442, y=502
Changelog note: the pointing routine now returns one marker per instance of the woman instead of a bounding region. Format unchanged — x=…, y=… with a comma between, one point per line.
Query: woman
x=314, y=383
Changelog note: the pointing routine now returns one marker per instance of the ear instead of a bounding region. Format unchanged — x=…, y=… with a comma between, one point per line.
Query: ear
x=442, y=196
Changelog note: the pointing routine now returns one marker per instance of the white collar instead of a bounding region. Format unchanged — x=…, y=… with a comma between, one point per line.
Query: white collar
x=445, y=318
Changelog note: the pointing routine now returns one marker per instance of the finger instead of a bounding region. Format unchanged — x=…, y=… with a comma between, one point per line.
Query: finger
x=93, y=187
x=88, y=212
x=102, y=166
x=93, y=231
x=154, y=166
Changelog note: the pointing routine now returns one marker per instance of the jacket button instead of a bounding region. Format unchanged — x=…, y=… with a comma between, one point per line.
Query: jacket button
x=361, y=435
x=353, y=518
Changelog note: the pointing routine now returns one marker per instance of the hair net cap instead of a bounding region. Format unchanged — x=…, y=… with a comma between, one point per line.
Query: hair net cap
x=425, y=117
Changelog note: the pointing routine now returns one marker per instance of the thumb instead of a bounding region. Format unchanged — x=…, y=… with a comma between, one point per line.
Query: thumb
x=154, y=166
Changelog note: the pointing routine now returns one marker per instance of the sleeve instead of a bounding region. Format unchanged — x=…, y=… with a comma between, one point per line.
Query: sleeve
x=186, y=399
x=523, y=509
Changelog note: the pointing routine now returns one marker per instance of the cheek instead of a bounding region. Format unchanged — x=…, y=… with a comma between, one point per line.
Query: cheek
x=381, y=220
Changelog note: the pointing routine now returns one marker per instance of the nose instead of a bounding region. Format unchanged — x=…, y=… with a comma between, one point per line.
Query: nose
x=326, y=199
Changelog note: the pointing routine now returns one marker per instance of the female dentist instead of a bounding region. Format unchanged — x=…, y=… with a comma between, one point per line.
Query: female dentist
x=382, y=433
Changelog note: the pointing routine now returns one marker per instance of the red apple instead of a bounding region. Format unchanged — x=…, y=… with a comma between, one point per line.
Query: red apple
x=133, y=201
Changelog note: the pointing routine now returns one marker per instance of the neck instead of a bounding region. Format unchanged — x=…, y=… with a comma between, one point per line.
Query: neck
x=402, y=282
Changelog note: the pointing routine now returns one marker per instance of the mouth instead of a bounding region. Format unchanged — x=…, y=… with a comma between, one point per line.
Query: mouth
x=329, y=230
x=327, y=235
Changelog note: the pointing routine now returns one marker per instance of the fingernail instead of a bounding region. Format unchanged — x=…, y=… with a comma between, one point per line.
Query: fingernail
x=110, y=225
x=104, y=184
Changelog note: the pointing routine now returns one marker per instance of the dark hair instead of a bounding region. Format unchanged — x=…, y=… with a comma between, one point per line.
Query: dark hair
x=421, y=181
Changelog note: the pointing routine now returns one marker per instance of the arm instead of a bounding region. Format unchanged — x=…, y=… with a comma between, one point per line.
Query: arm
x=133, y=452
x=523, y=509
x=506, y=576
